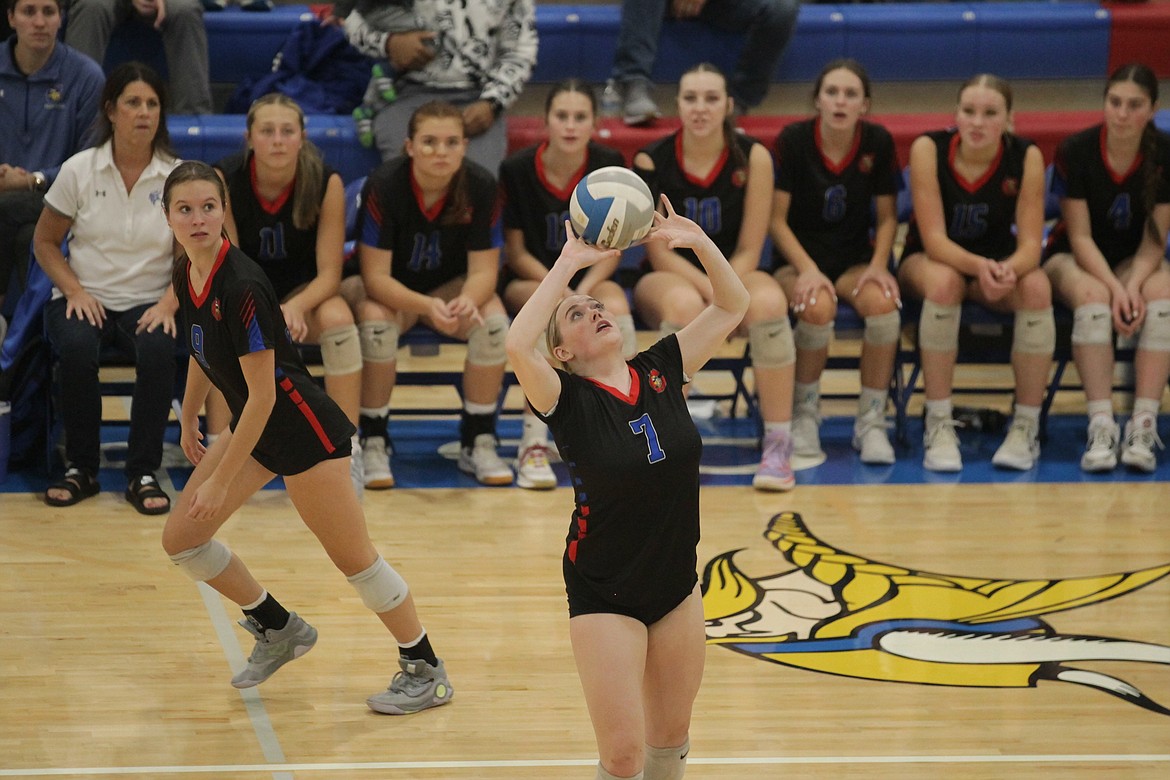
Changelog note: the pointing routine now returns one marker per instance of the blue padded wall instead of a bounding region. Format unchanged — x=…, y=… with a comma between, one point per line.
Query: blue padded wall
x=1043, y=40
x=213, y=137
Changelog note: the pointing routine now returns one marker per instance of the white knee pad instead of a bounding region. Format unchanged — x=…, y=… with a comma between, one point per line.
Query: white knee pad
x=1155, y=335
x=341, y=350
x=1034, y=332
x=485, y=344
x=381, y=588
x=205, y=562
x=772, y=344
x=1092, y=324
x=882, y=329
x=938, y=327
x=812, y=337
x=666, y=763
x=379, y=341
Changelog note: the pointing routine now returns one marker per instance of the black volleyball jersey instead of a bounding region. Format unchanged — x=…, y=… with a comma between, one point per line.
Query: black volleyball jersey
x=238, y=314
x=980, y=215
x=831, y=211
x=715, y=203
x=535, y=206
x=287, y=254
x=634, y=465
x=1116, y=199
x=425, y=252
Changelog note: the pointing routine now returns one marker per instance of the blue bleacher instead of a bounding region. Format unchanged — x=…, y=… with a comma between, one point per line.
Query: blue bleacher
x=896, y=41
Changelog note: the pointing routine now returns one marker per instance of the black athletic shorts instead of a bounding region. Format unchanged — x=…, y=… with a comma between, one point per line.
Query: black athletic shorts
x=585, y=600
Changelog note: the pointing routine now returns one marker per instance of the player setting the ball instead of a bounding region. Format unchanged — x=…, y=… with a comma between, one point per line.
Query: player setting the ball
x=633, y=454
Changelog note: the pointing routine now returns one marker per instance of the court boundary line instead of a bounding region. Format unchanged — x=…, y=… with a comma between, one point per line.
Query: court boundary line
x=537, y=763
x=253, y=704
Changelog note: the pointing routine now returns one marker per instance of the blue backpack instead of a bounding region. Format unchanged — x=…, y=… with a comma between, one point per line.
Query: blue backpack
x=24, y=369
x=317, y=67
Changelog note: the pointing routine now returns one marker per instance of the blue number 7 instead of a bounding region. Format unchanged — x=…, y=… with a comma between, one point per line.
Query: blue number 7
x=644, y=425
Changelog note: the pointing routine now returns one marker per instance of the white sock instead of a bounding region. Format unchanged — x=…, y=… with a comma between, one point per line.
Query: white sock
x=806, y=395
x=1023, y=412
x=472, y=408
x=871, y=401
x=940, y=408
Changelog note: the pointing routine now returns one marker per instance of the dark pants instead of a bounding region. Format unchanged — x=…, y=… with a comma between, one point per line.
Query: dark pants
x=19, y=212
x=767, y=23
x=78, y=347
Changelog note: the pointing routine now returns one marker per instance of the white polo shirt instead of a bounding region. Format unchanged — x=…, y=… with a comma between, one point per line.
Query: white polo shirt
x=120, y=246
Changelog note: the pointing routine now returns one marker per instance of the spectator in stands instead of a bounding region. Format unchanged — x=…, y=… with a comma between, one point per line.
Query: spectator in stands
x=768, y=24
x=115, y=287
x=286, y=210
x=180, y=22
x=724, y=181
x=1106, y=259
x=834, y=174
x=427, y=255
x=536, y=184
x=978, y=193
x=37, y=135
x=477, y=56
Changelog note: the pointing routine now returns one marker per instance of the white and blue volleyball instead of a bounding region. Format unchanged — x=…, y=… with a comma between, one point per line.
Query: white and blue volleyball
x=611, y=208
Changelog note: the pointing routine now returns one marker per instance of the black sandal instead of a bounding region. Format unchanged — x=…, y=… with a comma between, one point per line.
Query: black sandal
x=79, y=484
x=146, y=487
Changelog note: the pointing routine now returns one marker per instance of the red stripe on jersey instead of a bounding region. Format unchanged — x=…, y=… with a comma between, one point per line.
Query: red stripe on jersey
x=374, y=208
x=635, y=388
x=1118, y=178
x=199, y=298
x=836, y=168
x=434, y=211
x=567, y=191
x=973, y=186
x=270, y=206
x=573, y=551
x=712, y=175
x=286, y=385
x=247, y=309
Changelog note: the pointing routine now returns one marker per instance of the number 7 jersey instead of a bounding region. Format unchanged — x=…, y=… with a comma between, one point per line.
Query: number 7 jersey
x=634, y=466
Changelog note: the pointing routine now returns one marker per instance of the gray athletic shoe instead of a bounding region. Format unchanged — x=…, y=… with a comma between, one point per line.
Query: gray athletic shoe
x=638, y=106
x=274, y=649
x=417, y=687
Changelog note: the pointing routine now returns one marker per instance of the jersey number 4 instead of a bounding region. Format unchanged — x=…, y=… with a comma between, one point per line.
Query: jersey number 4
x=644, y=426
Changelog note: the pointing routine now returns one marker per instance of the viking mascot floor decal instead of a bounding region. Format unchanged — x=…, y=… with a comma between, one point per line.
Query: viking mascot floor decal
x=841, y=614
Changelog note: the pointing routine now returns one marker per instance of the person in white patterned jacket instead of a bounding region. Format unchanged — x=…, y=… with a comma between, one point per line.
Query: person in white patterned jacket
x=473, y=54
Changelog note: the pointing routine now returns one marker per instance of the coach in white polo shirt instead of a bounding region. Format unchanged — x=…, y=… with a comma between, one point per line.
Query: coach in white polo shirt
x=115, y=287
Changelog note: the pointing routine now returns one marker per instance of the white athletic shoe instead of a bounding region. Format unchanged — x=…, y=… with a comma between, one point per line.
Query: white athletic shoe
x=376, y=464
x=941, y=445
x=484, y=463
x=1101, y=448
x=1140, y=442
x=871, y=440
x=806, y=433
x=532, y=469
x=357, y=470
x=1020, y=447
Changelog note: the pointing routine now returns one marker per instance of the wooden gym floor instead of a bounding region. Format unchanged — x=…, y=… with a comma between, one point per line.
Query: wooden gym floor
x=113, y=664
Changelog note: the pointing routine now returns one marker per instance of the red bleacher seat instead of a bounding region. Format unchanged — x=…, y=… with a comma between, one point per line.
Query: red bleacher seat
x=1139, y=34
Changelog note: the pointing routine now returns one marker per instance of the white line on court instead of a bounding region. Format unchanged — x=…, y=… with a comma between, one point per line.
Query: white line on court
x=257, y=713
x=359, y=766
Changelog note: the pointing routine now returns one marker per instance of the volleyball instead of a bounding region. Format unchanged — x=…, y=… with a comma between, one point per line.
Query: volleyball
x=611, y=208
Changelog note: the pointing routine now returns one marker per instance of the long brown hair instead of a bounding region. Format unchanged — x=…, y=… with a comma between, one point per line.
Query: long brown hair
x=730, y=135
x=1144, y=77
x=458, y=198
x=309, y=182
